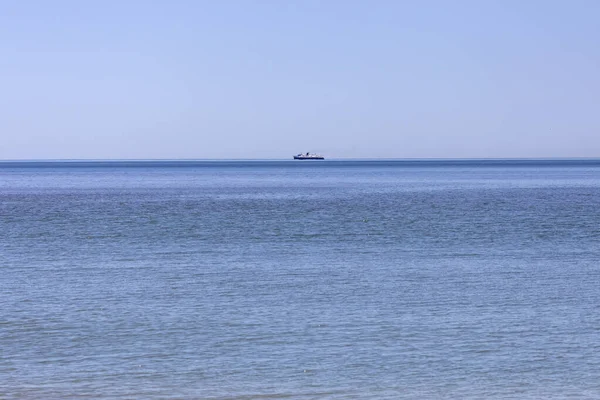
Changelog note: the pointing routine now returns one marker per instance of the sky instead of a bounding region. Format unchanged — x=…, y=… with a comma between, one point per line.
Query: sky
x=193, y=79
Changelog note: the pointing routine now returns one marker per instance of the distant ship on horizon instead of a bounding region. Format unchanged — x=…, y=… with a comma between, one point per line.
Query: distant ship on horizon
x=308, y=156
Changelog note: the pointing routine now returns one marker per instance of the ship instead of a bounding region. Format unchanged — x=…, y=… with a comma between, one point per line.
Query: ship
x=308, y=156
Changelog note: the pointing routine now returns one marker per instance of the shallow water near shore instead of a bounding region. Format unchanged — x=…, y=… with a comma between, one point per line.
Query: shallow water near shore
x=300, y=280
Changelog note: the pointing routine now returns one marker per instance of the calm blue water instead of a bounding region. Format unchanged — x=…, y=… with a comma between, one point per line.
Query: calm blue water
x=300, y=280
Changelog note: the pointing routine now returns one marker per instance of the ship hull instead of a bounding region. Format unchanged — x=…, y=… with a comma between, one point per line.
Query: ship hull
x=308, y=158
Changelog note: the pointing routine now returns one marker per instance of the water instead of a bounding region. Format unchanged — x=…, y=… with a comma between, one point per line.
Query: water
x=300, y=280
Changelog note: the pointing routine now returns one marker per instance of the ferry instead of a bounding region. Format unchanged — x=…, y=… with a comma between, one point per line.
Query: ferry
x=308, y=156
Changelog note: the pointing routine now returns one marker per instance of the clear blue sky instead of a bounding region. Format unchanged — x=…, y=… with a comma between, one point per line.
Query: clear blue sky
x=270, y=78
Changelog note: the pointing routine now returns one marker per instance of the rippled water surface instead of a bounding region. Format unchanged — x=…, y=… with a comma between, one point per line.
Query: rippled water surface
x=300, y=280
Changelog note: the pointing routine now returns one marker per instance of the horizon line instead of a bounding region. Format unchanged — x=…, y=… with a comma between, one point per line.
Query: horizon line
x=292, y=160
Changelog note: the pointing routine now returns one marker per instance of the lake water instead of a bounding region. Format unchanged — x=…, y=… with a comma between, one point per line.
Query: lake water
x=300, y=280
